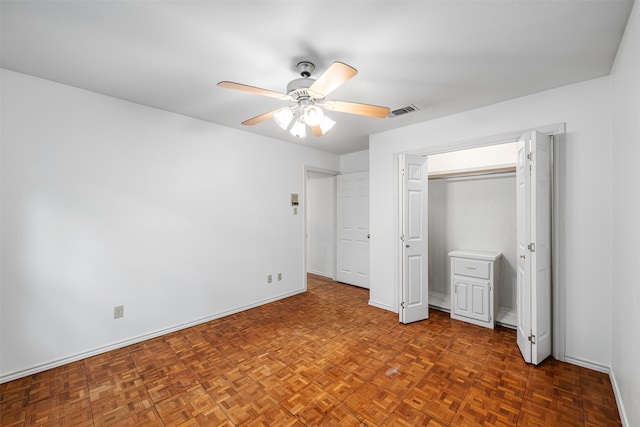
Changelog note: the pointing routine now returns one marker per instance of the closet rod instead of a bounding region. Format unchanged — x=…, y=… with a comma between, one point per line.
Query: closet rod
x=486, y=172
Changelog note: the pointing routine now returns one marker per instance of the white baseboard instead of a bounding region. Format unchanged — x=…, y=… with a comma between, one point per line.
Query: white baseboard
x=382, y=306
x=94, y=352
x=618, y=396
x=440, y=300
x=507, y=317
x=321, y=273
x=612, y=377
x=587, y=364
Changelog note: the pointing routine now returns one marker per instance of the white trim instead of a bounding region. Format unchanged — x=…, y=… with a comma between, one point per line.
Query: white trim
x=587, y=364
x=558, y=130
x=440, y=301
x=321, y=273
x=382, y=306
x=558, y=251
x=618, y=395
x=507, y=317
x=140, y=338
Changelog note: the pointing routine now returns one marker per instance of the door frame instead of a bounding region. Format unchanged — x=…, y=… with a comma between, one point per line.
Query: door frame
x=305, y=178
x=558, y=216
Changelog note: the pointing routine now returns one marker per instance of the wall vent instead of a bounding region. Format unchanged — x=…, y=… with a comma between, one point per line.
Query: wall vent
x=404, y=110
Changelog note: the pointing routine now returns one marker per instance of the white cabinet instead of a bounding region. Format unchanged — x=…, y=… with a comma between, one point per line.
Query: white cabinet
x=475, y=276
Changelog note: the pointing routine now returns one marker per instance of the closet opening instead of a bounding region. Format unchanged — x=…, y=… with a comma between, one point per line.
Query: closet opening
x=472, y=206
x=539, y=233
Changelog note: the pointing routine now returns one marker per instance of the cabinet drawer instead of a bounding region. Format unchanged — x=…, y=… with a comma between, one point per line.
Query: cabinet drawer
x=471, y=268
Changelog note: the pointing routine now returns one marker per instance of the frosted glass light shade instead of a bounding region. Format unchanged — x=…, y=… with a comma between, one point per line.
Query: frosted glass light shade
x=283, y=117
x=326, y=124
x=298, y=129
x=313, y=115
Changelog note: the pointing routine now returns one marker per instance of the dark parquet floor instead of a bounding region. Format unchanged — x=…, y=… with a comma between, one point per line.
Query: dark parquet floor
x=324, y=357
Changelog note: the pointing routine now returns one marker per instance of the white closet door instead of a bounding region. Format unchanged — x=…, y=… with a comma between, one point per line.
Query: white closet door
x=541, y=256
x=414, y=303
x=533, y=177
x=352, y=252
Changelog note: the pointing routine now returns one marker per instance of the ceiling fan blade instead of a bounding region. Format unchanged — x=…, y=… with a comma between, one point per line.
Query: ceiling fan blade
x=261, y=118
x=356, y=108
x=331, y=79
x=255, y=90
x=317, y=131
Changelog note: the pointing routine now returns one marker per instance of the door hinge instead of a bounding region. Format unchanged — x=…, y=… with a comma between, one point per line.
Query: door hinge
x=530, y=156
x=402, y=304
x=532, y=338
x=402, y=238
x=532, y=247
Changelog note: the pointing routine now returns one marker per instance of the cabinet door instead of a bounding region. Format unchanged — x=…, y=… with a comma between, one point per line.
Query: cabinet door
x=471, y=298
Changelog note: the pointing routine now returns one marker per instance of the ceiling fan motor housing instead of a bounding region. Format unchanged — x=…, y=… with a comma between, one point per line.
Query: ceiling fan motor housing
x=297, y=88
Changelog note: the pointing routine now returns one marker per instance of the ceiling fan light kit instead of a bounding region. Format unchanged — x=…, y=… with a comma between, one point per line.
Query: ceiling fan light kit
x=309, y=97
x=283, y=117
x=298, y=129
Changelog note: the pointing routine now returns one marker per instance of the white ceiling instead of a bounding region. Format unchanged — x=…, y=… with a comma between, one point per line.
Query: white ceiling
x=442, y=56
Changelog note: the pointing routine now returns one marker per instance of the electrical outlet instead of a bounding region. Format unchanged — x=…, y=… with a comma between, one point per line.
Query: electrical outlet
x=279, y=277
x=270, y=279
x=118, y=311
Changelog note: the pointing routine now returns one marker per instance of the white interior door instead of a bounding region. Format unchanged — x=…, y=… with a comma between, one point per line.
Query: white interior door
x=352, y=252
x=414, y=304
x=533, y=177
x=523, y=281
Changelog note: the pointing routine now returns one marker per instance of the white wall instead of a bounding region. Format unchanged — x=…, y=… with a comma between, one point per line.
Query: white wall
x=585, y=108
x=320, y=224
x=354, y=162
x=107, y=203
x=625, y=331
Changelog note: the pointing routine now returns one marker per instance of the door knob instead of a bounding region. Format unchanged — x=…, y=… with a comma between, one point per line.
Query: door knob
x=407, y=246
x=522, y=256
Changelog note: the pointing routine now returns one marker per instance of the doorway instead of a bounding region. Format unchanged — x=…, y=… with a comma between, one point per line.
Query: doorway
x=320, y=223
x=472, y=195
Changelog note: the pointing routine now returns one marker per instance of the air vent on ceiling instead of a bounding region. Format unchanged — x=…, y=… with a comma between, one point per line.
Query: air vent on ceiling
x=404, y=110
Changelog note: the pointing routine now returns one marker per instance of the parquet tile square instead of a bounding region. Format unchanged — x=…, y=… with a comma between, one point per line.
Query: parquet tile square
x=371, y=404
x=276, y=416
x=43, y=412
x=322, y=358
x=406, y=416
x=338, y=382
x=248, y=404
x=13, y=417
x=177, y=409
x=340, y=416
x=310, y=404
x=436, y=403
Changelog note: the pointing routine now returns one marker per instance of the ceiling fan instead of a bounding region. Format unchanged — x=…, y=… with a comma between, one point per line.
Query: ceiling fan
x=309, y=96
